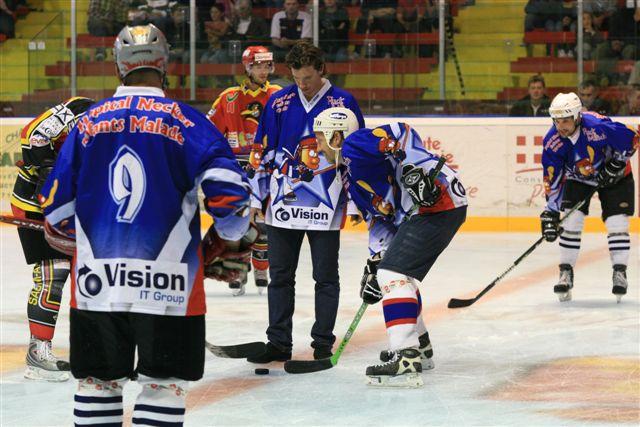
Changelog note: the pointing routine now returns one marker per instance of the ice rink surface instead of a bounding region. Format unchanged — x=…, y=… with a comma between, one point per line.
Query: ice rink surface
x=517, y=357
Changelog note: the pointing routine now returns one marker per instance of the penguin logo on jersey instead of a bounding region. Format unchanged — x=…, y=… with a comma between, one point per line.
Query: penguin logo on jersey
x=91, y=285
x=253, y=111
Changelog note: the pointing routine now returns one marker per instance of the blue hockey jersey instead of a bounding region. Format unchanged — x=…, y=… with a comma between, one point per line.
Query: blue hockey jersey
x=581, y=156
x=125, y=184
x=302, y=190
x=373, y=160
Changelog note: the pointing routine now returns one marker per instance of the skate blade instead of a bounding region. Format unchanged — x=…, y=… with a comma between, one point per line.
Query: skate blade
x=427, y=364
x=39, y=374
x=261, y=290
x=564, y=296
x=403, y=381
x=618, y=298
x=238, y=292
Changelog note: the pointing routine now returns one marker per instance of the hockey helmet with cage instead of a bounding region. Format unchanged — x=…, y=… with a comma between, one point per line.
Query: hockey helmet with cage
x=565, y=105
x=143, y=46
x=255, y=54
x=335, y=119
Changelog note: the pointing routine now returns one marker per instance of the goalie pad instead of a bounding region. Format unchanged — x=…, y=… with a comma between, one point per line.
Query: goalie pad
x=226, y=260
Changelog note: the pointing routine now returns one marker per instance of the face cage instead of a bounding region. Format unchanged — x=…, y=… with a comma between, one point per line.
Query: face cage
x=272, y=68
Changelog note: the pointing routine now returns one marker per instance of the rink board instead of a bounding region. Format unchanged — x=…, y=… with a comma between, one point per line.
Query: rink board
x=498, y=160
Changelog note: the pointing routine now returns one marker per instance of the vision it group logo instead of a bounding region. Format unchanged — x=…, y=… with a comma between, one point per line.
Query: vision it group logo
x=89, y=284
x=282, y=215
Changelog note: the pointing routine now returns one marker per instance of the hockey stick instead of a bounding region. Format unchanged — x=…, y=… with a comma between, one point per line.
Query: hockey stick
x=459, y=303
x=307, y=366
x=238, y=351
x=32, y=224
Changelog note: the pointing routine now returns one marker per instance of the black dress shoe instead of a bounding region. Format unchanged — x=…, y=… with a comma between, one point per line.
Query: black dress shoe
x=271, y=354
x=322, y=353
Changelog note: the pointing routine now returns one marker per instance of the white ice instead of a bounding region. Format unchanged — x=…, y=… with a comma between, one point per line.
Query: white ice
x=517, y=357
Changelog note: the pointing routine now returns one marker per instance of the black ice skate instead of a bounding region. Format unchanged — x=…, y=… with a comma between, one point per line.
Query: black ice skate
x=426, y=353
x=403, y=370
x=262, y=280
x=565, y=283
x=237, y=286
x=619, y=281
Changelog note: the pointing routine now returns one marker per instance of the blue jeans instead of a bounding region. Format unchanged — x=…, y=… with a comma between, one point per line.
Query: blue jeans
x=284, y=252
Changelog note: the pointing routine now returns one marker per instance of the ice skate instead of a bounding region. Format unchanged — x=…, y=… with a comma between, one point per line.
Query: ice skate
x=619, y=281
x=403, y=370
x=262, y=280
x=425, y=349
x=237, y=287
x=565, y=283
x=43, y=365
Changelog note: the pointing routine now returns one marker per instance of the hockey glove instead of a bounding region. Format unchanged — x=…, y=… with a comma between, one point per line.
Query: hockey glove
x=225, y=260
x=58, y=240
x=43, y=174
x=306, y=175
x=369, y=288
x=420, y=186
x=550, y=221
x=611, y=173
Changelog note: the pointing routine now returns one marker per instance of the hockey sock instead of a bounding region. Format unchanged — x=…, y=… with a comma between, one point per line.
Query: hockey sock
x=161, y=402
x=259, y=253
x=571, y=237
x=43, y=304
x=400, y=306
x=98, y=402
x=420, y=326
x=618, y=238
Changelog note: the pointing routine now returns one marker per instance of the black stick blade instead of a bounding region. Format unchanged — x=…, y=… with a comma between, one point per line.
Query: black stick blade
x=459, y=303
x=238, y=351
x=307, y=366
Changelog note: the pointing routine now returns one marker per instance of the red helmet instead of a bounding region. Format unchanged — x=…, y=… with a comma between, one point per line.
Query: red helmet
x=254, y=54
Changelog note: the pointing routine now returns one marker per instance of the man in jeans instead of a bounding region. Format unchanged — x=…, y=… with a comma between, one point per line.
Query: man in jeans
x=303, y=196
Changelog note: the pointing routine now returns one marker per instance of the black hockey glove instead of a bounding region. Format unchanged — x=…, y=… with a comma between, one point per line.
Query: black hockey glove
x=550, y=221
x=612, y=172
x=306, y=175
x=43, y=173
x=369, y=288
x=420, y=186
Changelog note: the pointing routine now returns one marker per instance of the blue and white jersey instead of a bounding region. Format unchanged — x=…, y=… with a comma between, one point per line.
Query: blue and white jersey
x=581, y=156
x=373, y=161
x=125, y=185
x=302, y=190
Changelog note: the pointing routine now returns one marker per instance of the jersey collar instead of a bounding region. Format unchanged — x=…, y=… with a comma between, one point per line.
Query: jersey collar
x=139, y=90
x=254, y=93
x=308, y=105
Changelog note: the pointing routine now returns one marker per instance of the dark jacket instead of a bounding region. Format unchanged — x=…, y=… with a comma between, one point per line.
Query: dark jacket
x=523, y=108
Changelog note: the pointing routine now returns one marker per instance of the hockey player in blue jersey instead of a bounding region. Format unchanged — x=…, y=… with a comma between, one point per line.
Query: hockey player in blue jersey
x=303, y=195
x=122, y=198
x=412, y=212
x=582, y=151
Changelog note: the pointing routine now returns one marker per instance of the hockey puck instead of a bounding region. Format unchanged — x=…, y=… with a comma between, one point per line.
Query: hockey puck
x=262, y=371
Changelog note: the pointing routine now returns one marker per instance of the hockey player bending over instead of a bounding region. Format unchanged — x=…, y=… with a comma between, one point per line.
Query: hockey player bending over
x=582, y=151
x=412, y=215
x=236, y=113
x=122, y=197
x=41, y=141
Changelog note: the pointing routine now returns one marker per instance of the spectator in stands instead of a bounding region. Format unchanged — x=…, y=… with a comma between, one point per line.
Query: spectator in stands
x=600, y=10
x=287, y=27
x=253, y=29
x=418, y=16
x=632, y=107
x=542, y=14
x=622, y=44
x=158, y=13
x=588, y=92
x=536, y=103
x=106, y=19
x=218, y=30
x=634, y=77
x=591, y=37
x=334, y=31
x=379, y=16
x=7, y=18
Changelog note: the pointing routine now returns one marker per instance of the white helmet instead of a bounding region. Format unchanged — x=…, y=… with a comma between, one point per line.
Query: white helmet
x=565, y=105
x=335, y=119
x=139, y=47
